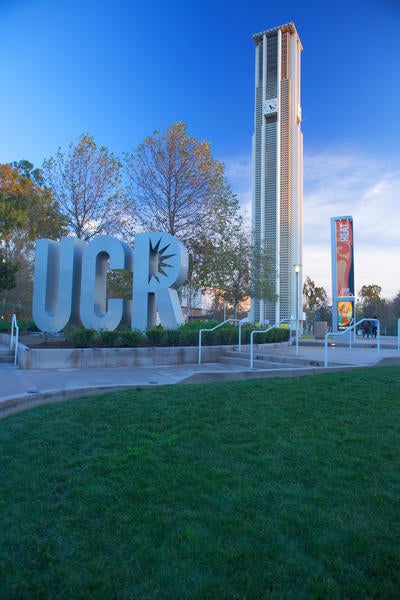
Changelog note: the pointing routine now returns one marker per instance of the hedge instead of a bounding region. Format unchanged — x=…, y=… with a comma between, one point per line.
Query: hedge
x=186, y=335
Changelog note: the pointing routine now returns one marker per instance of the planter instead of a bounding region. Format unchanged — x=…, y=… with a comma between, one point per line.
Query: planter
x=320, y=329
x=86, y=358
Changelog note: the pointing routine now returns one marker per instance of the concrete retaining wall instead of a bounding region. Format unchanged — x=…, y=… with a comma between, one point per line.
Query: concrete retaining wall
x=5, y=339
x=86, y=358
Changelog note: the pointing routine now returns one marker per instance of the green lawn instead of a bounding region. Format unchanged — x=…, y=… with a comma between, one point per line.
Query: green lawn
x=273, y=488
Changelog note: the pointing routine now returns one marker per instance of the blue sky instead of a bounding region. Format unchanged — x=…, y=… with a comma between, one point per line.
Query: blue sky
x=121, y=69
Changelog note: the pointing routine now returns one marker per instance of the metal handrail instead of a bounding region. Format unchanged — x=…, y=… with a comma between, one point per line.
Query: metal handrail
x=349, y=330
x=220, y=325
x=14, y=337
x=262, y=331
x=241, y=323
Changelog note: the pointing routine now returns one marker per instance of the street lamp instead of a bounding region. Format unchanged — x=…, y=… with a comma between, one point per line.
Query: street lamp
x=297, y=271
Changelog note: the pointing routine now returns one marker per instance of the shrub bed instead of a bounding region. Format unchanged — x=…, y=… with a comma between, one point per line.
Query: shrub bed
x=185, y=335
x=23, y=324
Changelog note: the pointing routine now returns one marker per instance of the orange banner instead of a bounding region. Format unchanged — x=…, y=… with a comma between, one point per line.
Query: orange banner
x=344, y=258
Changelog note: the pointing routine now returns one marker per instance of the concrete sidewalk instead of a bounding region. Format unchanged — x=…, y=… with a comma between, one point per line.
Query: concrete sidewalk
x=22, y=389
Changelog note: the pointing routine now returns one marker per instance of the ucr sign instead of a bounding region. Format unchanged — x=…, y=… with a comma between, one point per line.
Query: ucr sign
x=70, y=282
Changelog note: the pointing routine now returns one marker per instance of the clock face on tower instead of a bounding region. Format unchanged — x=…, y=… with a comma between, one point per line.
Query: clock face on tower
x=270, y=106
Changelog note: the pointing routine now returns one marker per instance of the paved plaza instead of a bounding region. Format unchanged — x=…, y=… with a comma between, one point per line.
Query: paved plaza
x=21, y=389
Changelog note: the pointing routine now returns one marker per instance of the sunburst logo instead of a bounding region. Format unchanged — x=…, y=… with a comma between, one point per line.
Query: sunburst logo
x=160, y=261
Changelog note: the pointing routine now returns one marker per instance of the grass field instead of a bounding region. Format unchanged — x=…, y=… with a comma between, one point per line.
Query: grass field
x=274, y=488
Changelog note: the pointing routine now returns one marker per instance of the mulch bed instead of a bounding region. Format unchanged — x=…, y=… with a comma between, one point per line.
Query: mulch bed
x=36, y=341
x=53, y=345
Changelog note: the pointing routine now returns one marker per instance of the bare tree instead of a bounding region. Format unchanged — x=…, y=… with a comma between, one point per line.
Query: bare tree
x=85, y=180
x=177, y=186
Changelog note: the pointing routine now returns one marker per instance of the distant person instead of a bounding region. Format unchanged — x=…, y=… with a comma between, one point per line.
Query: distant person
x=366, y=329
x=374, y=327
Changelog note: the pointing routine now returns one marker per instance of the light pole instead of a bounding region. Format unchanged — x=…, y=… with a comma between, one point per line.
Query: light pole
x=297, y=271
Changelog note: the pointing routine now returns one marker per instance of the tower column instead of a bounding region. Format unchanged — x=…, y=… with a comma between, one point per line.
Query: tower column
x=277, y=163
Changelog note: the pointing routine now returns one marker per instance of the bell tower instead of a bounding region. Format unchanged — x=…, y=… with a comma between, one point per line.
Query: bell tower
x=277, y=168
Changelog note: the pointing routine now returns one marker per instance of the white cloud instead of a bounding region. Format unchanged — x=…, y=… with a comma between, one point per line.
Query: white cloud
x=339, y=183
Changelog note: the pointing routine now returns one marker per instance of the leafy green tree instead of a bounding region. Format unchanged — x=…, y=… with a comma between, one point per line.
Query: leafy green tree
x=228, y=268
x=85, y=180
x=238, y=270
x=7, y=274
x=373, y=305
x=396, y=306
x=324, y=313
x=202, y=252
x=27, y=211
x=370, y=293
x=27, y=170
x=315, y=296
x=316, y=307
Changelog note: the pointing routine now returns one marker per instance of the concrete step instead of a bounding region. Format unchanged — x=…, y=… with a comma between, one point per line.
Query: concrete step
x=264, y=360
x=6, y=355
x=245, y=363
